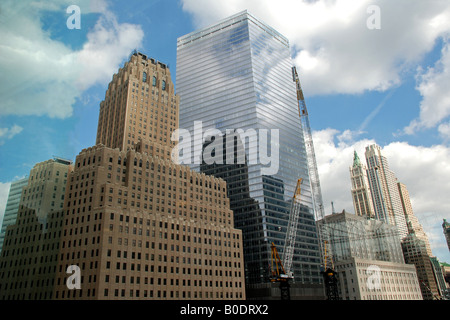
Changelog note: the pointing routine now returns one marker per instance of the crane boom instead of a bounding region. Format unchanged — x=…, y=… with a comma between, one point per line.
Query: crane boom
x=279, y=274
x=319, y=213
x=289, y=243
x=310, y=154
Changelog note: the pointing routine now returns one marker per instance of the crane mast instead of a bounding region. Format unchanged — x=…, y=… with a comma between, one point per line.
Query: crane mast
x=282, y=270
x=289, y=244
x=310, y=154
x=312, y=168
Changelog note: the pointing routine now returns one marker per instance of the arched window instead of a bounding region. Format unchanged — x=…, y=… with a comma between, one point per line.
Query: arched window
x=163, y=85
x=154, y=81
x=144, y=77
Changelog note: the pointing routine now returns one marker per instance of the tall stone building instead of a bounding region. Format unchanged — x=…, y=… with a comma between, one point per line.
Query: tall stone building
x=412, y=222
x=30, y=251
x=415, y=252
x=385, y=193
x=361, y=194
x=140, y=105
x=138, y=225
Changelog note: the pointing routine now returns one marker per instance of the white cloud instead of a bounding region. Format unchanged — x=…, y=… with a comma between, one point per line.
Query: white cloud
x=42, y=76
x=433, y=86
x=424, y=170
x=107, y=45
x=334, y=50
x=9, y=133
x=334, y=153
x=444, y=131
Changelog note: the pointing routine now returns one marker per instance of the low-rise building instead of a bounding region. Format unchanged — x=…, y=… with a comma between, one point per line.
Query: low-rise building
x=368, y=259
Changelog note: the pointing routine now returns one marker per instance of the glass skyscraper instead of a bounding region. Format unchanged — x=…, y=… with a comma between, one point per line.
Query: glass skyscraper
x=236, y=76
x=12, y=206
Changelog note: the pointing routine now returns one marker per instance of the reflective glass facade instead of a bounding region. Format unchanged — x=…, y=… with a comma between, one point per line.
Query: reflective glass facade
x=237, y=75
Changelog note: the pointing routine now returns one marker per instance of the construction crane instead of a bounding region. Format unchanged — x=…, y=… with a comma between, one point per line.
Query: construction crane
x=330, y=278
x=313, y=173
x=310, y=154
x=279, y=274
x=291, y=233
x=282, y=269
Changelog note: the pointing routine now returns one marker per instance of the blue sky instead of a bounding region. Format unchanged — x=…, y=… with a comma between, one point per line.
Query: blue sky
x=387, y=86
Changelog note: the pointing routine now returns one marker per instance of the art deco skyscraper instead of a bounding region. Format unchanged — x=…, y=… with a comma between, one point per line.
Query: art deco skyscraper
x=361, y=195
x=138, y=225
x=140, y=105
x=385, y=193
x=237, y=75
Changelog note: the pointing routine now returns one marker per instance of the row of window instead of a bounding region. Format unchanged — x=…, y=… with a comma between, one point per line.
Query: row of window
x=158, y=294
x=154, y=81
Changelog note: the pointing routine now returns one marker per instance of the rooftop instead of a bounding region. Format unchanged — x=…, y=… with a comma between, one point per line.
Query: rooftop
x=225, y=23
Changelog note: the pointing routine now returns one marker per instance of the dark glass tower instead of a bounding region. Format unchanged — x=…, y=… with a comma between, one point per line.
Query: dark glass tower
x=236, y=76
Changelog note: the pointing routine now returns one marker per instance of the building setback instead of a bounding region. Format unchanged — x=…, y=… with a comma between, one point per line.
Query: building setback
x=236, y=76
x=136, y=224
x=412, y=222
x=145, y=228
x=30, y=252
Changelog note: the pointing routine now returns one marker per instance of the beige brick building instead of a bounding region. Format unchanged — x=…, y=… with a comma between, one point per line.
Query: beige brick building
x=415, y=252
x=413, y=223
x=140, y=105
x=30, y=251
x=137, y=225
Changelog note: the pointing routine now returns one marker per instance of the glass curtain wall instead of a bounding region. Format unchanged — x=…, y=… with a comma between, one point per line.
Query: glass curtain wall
x=237, y=75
